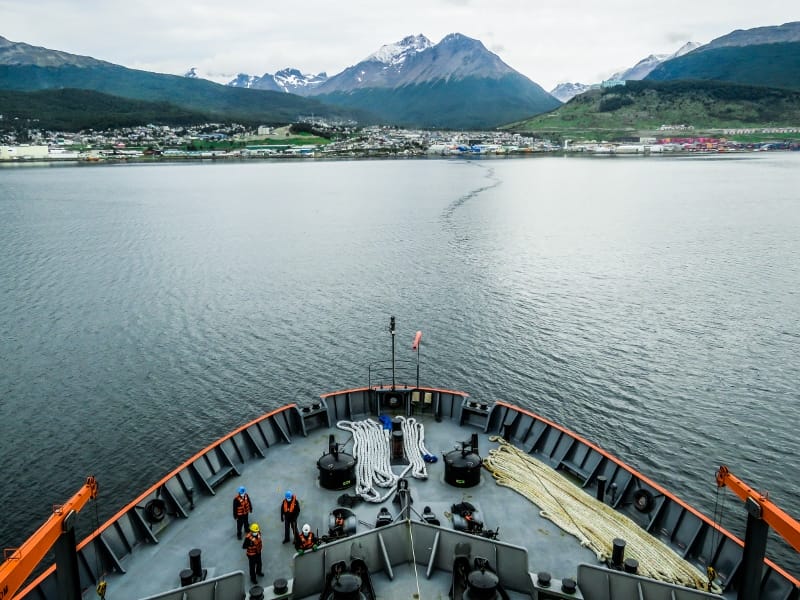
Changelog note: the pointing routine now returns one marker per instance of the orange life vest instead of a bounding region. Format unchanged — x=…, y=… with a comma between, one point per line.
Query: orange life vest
x=242, y=505
x=306, y=542
x=254, y=545
x=289, y=507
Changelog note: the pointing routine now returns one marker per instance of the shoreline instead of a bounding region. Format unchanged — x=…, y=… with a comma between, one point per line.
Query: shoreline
x=225, y=157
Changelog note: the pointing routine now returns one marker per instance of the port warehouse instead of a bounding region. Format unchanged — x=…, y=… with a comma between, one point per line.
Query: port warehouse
x=24, y=152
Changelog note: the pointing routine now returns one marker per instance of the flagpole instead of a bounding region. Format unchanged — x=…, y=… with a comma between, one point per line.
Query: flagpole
x=416, y=346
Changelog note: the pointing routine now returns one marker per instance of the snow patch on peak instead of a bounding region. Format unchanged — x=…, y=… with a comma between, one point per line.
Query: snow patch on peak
x=567, y=91
x=393, y=54
x=292, y=79
x=686, y=48
x=643, y=68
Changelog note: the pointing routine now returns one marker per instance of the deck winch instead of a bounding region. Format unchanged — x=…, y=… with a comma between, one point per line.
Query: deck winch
x=462, y=466
x=481, y=585
x=337, y=469
x=346, y=587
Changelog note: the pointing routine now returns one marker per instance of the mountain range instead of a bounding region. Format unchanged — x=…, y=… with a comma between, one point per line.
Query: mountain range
x=747, y=78
x=566, y=91
x=26, y=68
x=456, y=83
x=764, y=56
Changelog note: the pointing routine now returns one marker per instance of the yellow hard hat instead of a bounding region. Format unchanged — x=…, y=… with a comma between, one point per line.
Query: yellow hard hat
x=254, y=528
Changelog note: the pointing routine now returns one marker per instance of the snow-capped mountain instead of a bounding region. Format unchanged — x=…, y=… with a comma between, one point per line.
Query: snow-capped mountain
x=567, y=91
x=414, y=60
x=287, y=80
x=292, y=80
x=643, y=68
x=384, y=68
x=395, y=54
x=264, y=82
x=455, y=83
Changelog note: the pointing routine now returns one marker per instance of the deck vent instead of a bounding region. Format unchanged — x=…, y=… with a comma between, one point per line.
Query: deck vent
x=462, y=466
x=337, y=469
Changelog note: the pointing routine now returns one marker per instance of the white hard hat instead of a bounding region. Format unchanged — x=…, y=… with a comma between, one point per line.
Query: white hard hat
x=306, y=529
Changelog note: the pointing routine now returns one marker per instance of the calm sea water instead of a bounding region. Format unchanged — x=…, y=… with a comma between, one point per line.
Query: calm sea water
x=651, y=305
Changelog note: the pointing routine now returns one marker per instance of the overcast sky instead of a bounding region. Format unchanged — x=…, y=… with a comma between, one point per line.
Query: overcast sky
x=549, y=41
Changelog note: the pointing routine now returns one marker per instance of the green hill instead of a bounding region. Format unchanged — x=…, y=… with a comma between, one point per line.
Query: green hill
x=73, y=110
x=771, y=65
x=641, y=107
x=227, y=103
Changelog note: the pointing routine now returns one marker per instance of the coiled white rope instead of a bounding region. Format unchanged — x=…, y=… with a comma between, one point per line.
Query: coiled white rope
x=594, y=523
x=372, y=448
x=414, y=446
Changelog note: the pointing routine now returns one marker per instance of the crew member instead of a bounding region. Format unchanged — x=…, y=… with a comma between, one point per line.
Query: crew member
x=338, y=524
x=290, y=510
x=305, y=540
x=252, y=545
x=242, y=507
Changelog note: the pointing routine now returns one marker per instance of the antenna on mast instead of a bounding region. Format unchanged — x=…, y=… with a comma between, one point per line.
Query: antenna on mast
x=392, y=331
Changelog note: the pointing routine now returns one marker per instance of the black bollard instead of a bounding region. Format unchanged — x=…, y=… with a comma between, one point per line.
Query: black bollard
x=631, y=565
x=256, y=593
x=397, y=444
x=280, y=586
x=618, y=553
x=543, y=579
x=568, y=586
x=186, y=577
x=194, y=563
x=601, y=488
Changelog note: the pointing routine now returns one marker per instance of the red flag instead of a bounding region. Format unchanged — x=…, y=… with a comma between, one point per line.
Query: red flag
x=417, y=338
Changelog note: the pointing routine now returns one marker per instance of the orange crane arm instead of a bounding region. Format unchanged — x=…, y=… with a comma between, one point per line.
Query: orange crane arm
x=781, y=522
x=22, y=561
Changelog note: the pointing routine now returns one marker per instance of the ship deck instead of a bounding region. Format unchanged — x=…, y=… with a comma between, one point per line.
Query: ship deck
x=144, y=550
x=211, y=527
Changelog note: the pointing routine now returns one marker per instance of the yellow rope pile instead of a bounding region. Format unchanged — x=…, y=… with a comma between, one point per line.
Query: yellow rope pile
x=594, y=523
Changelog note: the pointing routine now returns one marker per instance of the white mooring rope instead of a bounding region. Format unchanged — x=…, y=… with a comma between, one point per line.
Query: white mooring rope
x=372, y=448
x=594, y=523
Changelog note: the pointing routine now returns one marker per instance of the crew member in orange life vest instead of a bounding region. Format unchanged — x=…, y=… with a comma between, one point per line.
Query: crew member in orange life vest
x=290, y=510
x=253, y=545
x=242, y=507
x=305, y=540
x=338, y=524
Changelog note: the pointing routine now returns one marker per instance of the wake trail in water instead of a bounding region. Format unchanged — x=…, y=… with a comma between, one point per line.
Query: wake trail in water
x=450, y=210
x=460, y=236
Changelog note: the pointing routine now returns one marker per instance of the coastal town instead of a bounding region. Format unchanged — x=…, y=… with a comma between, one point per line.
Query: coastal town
x=235, y=141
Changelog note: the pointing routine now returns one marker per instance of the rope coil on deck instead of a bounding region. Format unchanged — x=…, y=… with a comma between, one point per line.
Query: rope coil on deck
x=372, y=448
x=594, y=523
